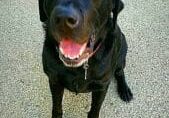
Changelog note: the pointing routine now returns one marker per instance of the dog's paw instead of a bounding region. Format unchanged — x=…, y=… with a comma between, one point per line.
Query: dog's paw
x=125, y=93
x=56, y=115
x=93, y=115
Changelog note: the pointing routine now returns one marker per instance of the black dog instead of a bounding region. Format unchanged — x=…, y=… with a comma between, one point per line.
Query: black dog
x=83, y=49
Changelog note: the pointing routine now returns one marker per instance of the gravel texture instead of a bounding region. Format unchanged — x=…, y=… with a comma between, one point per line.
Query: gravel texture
x=24, y=89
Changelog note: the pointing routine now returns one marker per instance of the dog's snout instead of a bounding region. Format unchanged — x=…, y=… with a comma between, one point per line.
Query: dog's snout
x=67, y=16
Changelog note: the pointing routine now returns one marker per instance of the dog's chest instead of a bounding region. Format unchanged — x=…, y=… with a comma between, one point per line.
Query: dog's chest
x=96, y=79
x=79, y=84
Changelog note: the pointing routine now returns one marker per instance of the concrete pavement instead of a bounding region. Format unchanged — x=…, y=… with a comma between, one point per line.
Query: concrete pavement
x=24, y=90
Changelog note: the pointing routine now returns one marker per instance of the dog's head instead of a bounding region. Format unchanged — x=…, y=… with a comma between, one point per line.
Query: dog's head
x=75, y=25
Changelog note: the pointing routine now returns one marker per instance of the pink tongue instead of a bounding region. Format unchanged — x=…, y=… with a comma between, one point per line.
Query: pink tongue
x=71, y=49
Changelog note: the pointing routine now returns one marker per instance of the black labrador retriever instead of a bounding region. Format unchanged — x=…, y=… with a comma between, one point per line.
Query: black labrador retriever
x=84, y=47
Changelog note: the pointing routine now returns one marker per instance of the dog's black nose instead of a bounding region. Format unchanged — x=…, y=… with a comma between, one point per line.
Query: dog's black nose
x=67, y=16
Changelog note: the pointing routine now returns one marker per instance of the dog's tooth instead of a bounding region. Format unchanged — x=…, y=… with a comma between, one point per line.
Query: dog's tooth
x=82, y=49
x=77, y=56
x=61, y=50
x=71, y=57
x=66, y=55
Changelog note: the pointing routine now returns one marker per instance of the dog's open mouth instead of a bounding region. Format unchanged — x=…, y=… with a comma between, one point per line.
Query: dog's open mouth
x=74, y=54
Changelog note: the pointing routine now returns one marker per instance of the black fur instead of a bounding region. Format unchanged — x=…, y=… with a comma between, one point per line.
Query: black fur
x=108, y=61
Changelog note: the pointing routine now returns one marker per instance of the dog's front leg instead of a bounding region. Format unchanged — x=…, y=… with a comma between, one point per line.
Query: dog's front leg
x=97, y=100
x=57, y=94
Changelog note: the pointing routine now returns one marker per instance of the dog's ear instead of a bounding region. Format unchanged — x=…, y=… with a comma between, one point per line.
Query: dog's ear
x=42, y=13
x=117, y=7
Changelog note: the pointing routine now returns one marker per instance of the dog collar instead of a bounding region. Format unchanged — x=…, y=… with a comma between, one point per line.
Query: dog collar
x=86, y=65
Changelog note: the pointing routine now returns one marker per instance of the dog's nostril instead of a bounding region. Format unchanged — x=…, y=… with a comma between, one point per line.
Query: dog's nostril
x=66, y=16
x=71, y=22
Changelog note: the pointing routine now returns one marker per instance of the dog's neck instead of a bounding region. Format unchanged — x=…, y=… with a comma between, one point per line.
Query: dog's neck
x=103, y=46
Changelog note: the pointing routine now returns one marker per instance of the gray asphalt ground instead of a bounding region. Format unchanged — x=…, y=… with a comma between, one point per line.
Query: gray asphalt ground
x=24, y=90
